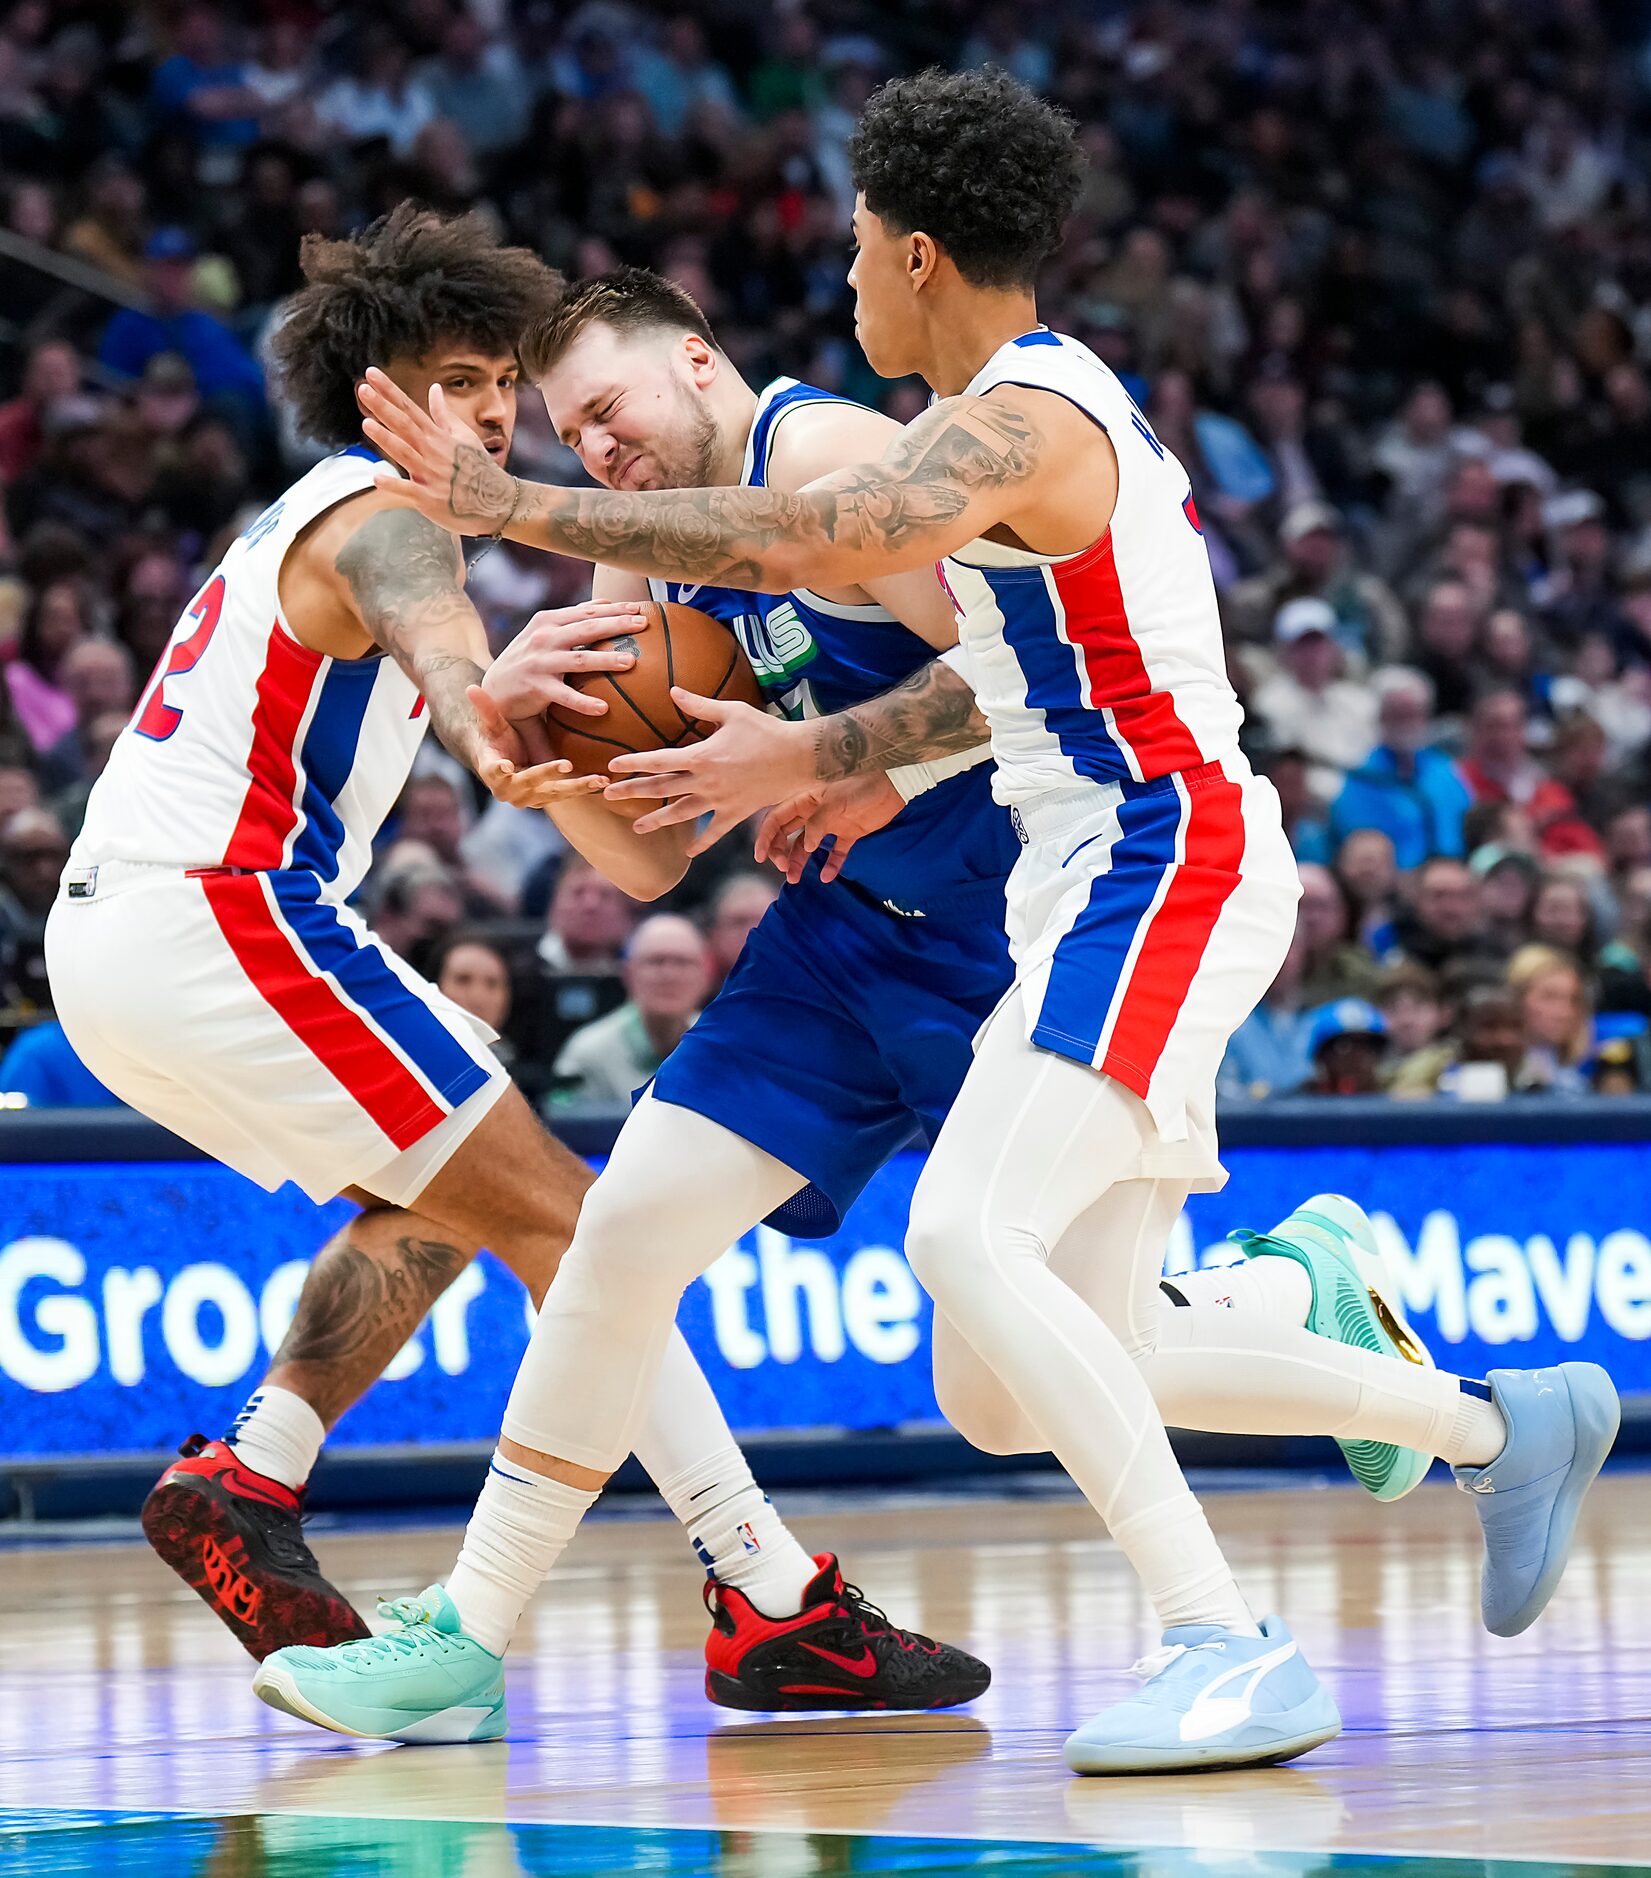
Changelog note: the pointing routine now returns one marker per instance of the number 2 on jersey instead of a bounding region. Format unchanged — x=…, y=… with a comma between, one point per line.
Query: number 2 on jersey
x=159, y=719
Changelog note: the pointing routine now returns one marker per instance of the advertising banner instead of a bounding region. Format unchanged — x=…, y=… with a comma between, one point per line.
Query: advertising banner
x=141, y=1301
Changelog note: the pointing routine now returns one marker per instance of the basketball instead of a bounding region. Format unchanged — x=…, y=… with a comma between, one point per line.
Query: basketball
x=680, y=646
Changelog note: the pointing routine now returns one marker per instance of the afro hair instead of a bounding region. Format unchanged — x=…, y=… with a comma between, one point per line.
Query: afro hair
x=410, y=282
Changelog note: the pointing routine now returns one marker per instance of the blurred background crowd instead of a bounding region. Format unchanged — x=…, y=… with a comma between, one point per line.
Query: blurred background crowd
x=1379, y=271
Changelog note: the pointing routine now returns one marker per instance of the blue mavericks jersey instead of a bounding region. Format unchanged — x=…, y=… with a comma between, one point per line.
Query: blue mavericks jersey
x=814, y=656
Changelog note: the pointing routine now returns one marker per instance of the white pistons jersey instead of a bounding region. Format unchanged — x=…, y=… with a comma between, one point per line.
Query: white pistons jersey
x=1104, y=666
x=248, y=749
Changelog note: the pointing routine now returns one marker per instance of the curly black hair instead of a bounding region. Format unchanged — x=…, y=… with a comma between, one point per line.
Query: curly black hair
x=409, y=282
x=975, y=159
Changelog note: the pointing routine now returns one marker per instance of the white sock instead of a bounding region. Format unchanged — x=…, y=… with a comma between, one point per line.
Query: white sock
x=277, y=1435
x=520, y=1528
x=1272, y=1287
x=693, y=1460
x=740, y=1539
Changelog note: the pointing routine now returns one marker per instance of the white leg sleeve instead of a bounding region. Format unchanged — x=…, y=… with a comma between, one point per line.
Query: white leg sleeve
x=1031, y=1144
x=678, y=1190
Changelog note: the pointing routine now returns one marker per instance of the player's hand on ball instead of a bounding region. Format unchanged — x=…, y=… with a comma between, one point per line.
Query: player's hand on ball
x=448, y=476
x=533, y=670
x=513, y=759
x=839, y=812
x=748, y=761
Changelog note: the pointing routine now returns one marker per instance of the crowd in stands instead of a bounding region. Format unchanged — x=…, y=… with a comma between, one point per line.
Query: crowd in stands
x=1377, y=271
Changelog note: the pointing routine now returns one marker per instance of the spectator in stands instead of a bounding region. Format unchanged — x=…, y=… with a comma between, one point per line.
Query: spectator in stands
x=1483, y=1059
x=1269, y=1052
x=1336, y=966
x=1507, y=888
x=1628, y=838
x=1443, y=919
x=1498, y=767
x=52, y=373
x=224, y=370
x=53, y=626
x=33, y=853
x=1509, y=654
x=468, y=968
x=382, y=98
x=1625, y=964
x=96, y=675
x=1316, y=564
x=667, y=976
x=431, y=811
x=478, y=87
x=42, y=1068
x=1306, y=704
x=1562, y=917
x=1369, y=873
x=96, y=742
x=200, y=88
x=1446, y=632
x=417, y=906
x=1407, y=787
x=16, y=751
x=1305, y=824
x=590, y=920
x=735, y=908
x=1558, y=1021
x=1347, y=1042
x=1413, y=1009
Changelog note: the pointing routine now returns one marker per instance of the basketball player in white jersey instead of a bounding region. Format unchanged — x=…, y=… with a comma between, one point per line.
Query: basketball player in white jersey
x=1152, y=904
x=208, y=968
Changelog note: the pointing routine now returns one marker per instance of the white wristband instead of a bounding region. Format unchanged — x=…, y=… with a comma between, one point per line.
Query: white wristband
x=916, y=779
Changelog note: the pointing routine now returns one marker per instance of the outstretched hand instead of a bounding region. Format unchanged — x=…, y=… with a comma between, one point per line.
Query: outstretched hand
x=838, y=812
x=513, y=760
x=748, y=761
x=446, y=474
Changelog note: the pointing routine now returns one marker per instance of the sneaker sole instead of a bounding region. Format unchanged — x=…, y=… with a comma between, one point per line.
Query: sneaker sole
x=1363, y=1318
x=1597, y=1412
x=728, y=1692
x=274, y=1685
x=181, y=1522
x=1309, y=1725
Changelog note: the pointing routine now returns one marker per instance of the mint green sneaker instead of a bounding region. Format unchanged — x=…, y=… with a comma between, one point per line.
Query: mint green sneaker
x=422, y=1680
x=1354, y=1303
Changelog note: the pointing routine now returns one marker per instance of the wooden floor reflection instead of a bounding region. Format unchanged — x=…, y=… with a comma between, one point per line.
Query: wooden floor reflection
x=120, y=1695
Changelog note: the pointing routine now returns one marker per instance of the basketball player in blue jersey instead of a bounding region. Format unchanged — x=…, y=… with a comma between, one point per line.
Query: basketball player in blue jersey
x=1149, y=908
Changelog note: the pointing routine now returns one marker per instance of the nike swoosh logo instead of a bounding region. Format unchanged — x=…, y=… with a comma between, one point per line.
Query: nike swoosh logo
x=865, y=1666
x=685, y=594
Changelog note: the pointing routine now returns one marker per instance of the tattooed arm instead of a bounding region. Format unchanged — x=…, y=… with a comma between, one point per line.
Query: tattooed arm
x=960, y=469
x=931, y=714
x=405, y=579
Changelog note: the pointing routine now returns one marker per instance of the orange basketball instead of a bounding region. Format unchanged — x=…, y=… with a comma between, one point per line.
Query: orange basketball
x=680, y=646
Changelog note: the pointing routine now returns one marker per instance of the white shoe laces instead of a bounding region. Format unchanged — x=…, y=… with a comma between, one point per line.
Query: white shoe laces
x=1155, y=1662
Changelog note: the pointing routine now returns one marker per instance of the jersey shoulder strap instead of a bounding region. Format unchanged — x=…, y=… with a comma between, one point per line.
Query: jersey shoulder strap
x=344, y=474
x=775, y=402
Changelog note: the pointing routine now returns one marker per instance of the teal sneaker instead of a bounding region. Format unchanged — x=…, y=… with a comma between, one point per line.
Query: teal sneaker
x=422, y=1680
x=1212, y=1699
x=1354, y=1302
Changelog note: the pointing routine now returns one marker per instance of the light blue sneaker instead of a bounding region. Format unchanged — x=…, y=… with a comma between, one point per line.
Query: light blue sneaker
x=422, y=1680
x=1354, y=1302
x=1561, y=1423
x=1213, y=1699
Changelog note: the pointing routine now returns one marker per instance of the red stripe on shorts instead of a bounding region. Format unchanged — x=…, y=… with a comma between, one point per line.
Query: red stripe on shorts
x=334, y=1032
x=1179, y=933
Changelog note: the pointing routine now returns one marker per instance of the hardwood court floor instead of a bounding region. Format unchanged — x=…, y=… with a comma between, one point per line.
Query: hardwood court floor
x=130, y=1740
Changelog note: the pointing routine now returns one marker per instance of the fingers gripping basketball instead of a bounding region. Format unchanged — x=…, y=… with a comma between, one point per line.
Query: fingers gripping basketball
x=682, y=646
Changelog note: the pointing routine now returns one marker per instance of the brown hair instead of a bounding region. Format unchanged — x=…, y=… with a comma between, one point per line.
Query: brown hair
x=629, y=299
x=411, y=281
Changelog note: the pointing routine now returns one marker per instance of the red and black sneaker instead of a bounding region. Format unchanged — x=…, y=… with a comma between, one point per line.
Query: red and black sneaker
x=838, y=1652
x=237, y=1539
